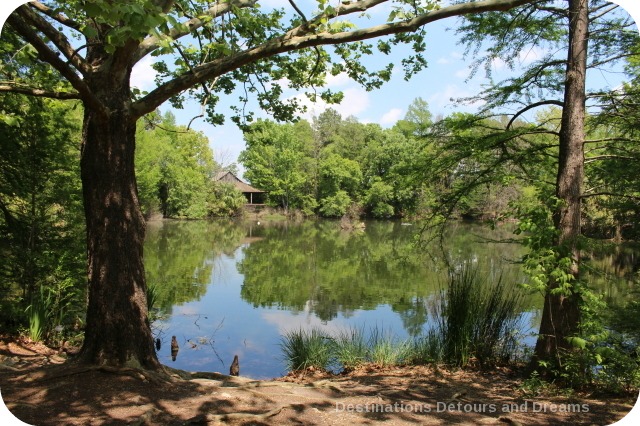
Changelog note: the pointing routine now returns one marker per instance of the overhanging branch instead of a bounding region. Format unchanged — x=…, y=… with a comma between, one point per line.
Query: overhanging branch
x=534, y=105
x=290, y=42
x=53, y=15
x=610, y=194
x=151, y=43
x=57, y=37
x=31, y=91
x=25, y=30
x=609, y=157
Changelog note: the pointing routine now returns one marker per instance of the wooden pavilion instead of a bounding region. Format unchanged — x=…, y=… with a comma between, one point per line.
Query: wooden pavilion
x=253, y=195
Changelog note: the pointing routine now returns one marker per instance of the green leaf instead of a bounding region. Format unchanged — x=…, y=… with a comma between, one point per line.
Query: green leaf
x=577, y=342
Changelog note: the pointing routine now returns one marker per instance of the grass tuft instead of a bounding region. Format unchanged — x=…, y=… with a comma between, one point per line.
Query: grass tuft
x=351, y=348
x=303, y=349
x=475, y=318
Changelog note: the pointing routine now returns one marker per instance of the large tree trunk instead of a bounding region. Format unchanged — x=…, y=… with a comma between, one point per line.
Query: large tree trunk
x=561, y=314
x=117, y=328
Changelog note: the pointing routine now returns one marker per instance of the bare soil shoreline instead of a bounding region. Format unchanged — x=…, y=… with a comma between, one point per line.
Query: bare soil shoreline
x=41, y=388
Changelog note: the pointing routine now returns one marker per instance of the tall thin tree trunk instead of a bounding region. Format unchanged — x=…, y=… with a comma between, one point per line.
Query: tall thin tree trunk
x=117, y=327
x=561, y=314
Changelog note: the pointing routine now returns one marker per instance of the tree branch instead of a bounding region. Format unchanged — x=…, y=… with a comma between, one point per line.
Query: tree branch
x=48, y=55
x=609, y=157
x=609, y=140
x=53, y=15
x=533, y=105
x=610, y=194
x=57, y=38
x=610, y=8
x=292, y=41
x=31, y=91
x=150, y=44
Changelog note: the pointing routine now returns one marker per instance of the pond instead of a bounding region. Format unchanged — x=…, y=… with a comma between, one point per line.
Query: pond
x=226, y=288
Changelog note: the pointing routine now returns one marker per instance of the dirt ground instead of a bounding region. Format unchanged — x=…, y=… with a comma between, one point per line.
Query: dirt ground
x=41, y=387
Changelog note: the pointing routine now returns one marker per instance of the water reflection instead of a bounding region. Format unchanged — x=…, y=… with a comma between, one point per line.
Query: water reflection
x=614, y=270
x=226, y=289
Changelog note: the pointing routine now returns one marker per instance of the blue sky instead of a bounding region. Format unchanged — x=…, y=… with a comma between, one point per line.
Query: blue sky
x=446, y=77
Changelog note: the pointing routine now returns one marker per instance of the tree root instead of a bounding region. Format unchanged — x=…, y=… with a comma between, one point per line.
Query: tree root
x=505, y=419
x=256, y=417
x=146, y=418
x=8, y=367
x=156, y=377
x=321, y=384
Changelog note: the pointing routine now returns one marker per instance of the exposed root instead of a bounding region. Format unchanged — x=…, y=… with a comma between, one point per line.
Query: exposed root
x=227, y=380
x=156, y=377
x=321, y=384
x=8, y=367
x=509, y=421
x=146, y=418
x=255, y=417
x=138, y=373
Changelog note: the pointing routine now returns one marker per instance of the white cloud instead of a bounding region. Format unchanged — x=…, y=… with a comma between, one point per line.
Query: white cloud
x=450, y=58
x=463, y=74
x=391, y=116
x=531, y=55
x=444, y=98
x=525, y=57
x=339, y=80
x=356, y=100
x=304, y=320
x=143, y=75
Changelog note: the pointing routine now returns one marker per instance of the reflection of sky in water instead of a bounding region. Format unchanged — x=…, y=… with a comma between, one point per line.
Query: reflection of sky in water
x=211, y=330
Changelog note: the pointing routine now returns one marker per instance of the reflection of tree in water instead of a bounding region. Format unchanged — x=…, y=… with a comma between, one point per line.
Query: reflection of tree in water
x=613, y=270
x=414, y=312
x=320, y=268
x=179, y=257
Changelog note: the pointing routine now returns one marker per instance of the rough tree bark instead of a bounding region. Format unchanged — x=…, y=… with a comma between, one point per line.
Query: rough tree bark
x=117, y=327
x=561, y=314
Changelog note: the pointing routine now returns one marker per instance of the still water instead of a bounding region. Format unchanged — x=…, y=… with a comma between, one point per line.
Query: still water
x=226, y=288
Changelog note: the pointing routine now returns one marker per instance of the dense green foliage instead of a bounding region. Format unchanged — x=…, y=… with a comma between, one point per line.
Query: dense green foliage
x=483, y=165
x=175, y=172
x=454, y=167
x=335, y=164
x=42, y=227
x=41, y=233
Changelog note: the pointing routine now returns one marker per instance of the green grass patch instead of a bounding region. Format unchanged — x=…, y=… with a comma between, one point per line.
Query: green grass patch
x=303, y=349
x=351, y=349
x=475, y=317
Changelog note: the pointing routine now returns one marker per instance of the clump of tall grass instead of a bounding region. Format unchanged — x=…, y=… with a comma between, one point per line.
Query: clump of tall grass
x=426, y=349
x=347, y=349
x=37, y=315
x=152, y=299
x=476, y=316
x=351, y=348
x=303, y=349
x=386, y=350
x=52, y=303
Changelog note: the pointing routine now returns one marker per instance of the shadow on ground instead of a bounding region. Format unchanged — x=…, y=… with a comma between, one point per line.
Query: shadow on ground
x=44, y=389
